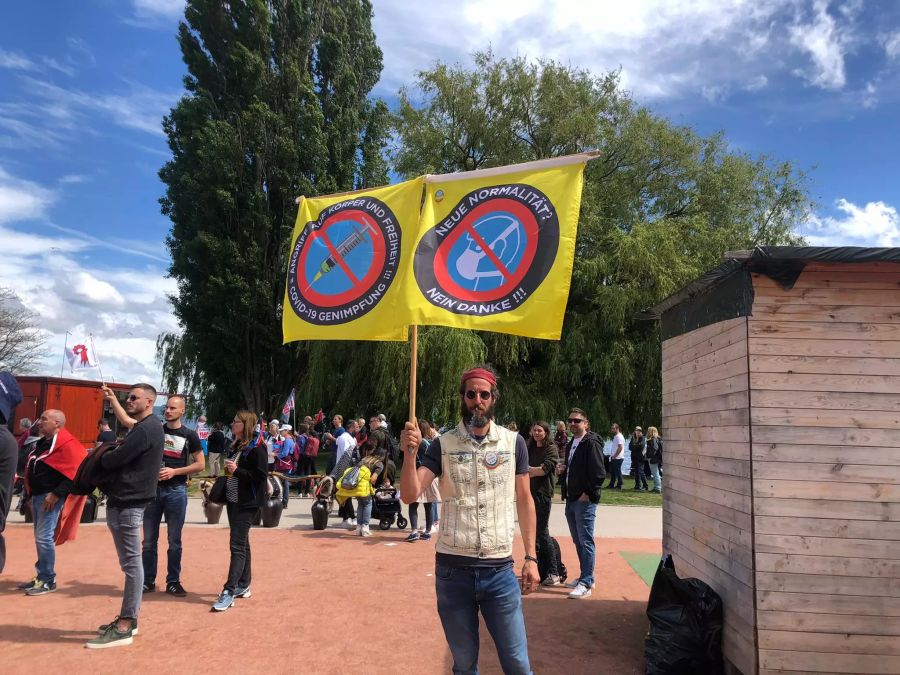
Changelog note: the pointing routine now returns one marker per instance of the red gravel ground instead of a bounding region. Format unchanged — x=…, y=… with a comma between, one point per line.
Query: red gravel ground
x=323, y=602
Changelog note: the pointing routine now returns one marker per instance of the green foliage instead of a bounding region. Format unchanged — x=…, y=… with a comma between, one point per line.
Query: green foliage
x=659, y=208
x=276, y=106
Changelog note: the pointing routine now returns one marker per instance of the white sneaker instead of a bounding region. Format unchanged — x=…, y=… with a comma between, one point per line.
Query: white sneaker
x=345, y=522
x=359, y=530
x=576, y=583
x=351, y=524
x=551, y=580
x=581, y=591
x=365, y=531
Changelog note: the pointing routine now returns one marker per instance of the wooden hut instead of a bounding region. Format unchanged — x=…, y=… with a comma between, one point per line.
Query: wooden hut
x=781, y=420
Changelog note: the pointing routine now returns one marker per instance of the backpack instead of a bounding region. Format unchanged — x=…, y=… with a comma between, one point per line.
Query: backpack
x=91, y=474
x=312, y=446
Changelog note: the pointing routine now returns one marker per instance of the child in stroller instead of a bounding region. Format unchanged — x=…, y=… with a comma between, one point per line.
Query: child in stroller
x=385, y=506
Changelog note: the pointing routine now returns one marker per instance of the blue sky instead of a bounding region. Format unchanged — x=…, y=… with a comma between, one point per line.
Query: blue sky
x=83, y=88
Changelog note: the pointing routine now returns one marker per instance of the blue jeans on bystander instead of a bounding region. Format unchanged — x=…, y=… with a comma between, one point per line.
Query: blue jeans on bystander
x=170, y=501
x=461, y=593
x=44, y=535
x=581, y=516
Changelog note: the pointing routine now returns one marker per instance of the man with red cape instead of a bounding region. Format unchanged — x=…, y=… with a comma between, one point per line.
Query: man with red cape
x=49, y=471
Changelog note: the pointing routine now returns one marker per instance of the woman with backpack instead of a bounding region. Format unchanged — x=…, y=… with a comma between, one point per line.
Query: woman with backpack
x=359, y=481
x=245, y=491
x=654, y=456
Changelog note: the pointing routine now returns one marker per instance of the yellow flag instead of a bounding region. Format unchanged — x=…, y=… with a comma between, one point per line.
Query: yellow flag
x=347, y=255
x=495, y=248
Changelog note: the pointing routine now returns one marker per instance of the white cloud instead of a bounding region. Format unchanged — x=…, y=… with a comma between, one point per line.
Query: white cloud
x=892, y=45
x=155, y=13
x=122, y=303
x=664, y=49
x=875, y=224
x=16, y=61
x=826, y=43
x=22, y=199
x=869, y=100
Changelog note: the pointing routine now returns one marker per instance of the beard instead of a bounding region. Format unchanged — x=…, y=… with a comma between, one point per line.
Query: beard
x=476, y=418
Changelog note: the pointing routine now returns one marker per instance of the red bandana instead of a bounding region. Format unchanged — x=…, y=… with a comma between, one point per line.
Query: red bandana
x=479, y=373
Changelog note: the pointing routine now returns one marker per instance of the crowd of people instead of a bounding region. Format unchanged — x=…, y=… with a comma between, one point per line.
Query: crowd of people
x=485, y=476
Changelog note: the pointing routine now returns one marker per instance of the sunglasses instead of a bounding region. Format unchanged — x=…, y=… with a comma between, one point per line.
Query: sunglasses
x=575, y=420
x=132, y=397
x=472, y=395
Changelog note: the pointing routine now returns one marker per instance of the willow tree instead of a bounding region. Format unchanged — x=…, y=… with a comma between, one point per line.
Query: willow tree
x=276, y=105
x=659, y=207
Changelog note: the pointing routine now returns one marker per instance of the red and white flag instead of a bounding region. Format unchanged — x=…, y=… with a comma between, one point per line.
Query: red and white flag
x=287, y=407
x=82, y=355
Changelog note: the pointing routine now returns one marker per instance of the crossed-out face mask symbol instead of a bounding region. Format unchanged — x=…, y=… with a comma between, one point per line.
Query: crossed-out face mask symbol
x=474, y=265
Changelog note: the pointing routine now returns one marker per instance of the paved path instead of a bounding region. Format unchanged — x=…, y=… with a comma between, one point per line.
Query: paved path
x=633, y=522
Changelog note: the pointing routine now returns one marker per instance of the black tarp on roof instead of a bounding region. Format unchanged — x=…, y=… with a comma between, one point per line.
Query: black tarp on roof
x=726, y=292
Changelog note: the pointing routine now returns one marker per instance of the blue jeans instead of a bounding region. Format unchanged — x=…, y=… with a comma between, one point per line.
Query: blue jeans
x=44, y=535
x=581, y=517
x=654, y=470
x=615, y=472
x=364, y=510
x=461, y=592
x=170, y=501
x=124, y=524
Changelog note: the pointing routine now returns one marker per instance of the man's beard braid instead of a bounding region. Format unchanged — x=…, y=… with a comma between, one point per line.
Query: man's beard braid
x=475, y=419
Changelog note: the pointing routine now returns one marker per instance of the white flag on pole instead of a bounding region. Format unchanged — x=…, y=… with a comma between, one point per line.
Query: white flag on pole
x=81, y=355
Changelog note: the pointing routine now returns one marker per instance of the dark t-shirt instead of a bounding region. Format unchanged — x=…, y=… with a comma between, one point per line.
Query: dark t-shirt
x=432, y=461
x=108, y=436
x=181, y=444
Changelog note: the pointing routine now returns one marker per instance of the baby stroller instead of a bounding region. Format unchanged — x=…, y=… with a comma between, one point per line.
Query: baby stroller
x=386, y=505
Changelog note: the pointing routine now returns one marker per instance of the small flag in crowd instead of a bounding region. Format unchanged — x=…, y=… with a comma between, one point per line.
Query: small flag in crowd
x=81, y=355
x=287, y=407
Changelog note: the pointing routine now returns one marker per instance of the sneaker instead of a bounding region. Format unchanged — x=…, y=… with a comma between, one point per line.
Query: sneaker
x=42, y=588
x=149, y=588
x=551, y=580
x=365, y=531
x=345, y=522
x=575, y=583
x=655, y=491
x=425, y=536
x=359, y=530
x=24, y=586
x=112, y=637
x=351, y=525
x=413, y=536
x=581, y=591
x=105, y=627
x=175, y=588
x=242, y=592
x=226, y=600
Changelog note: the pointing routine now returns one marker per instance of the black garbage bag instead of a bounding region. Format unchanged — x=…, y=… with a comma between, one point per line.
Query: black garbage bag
x=685, y=636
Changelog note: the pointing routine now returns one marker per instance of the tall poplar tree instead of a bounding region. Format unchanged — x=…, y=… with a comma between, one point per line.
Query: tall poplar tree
x=276, y=105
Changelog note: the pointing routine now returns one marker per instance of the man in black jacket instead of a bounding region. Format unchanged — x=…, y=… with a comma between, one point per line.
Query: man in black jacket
x=584, y=479
x=135, y=466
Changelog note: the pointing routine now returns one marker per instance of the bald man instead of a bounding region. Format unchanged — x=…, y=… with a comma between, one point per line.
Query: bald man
x=49, y=471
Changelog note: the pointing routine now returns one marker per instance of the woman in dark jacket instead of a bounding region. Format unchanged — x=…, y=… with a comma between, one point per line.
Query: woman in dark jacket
x=542, y=458
x=245, y=488
x=654, y=456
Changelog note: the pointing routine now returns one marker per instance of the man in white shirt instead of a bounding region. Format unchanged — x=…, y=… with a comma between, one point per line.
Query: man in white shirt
x=616, y=459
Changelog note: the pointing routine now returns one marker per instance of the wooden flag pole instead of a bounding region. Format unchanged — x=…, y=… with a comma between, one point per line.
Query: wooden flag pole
x=413, y=358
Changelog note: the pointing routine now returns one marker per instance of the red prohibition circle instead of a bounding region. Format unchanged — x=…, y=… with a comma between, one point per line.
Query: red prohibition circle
x=361, y=286
x=529, y=224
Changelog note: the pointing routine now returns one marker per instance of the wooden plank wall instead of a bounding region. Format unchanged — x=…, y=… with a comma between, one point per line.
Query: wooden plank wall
x=825, y=429
x=706, y=481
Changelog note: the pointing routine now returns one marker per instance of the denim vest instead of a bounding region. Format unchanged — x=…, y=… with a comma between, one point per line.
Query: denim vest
x=478, y=490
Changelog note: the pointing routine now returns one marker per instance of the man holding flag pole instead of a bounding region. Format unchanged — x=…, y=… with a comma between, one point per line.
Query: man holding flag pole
x=493, y=250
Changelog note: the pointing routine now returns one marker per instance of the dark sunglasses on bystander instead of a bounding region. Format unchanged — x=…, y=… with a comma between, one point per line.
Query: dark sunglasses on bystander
x=575, y=420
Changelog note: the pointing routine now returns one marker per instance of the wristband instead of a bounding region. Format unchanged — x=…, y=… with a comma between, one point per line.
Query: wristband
x=531, y=558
